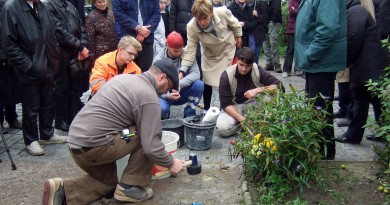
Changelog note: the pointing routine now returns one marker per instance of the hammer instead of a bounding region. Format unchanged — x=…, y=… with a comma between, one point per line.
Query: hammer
x=192, y=165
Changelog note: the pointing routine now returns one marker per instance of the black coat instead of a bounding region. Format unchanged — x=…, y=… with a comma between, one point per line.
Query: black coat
x=273, y=10
x=179, y=16
x=65, y=12
x=244, y=15
x=261, y=28
x=384, y=18
x=364, y=55
x=30, y=41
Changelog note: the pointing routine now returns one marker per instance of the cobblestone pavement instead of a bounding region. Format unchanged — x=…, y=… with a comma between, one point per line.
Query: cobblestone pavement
x=212, y=186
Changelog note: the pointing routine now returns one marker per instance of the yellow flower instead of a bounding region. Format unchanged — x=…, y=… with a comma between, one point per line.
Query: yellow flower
x=268, y=142
x=256, y=139
x=258, y=153
x=274, y=148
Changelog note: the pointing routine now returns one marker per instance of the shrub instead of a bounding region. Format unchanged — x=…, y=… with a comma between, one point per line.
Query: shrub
x=280, y=143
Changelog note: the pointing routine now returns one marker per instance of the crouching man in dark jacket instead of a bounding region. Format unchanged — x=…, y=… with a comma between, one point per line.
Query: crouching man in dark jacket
x=29, y=37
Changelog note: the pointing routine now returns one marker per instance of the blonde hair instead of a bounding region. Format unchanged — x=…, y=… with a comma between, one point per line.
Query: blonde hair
x=202, y=8
x=127, y=41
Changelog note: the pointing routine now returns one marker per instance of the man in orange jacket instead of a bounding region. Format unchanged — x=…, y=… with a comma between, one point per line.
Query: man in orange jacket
x=116, y=62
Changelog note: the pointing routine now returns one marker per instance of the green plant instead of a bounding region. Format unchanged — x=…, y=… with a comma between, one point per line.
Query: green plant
x=280, y=144
x=381, y=89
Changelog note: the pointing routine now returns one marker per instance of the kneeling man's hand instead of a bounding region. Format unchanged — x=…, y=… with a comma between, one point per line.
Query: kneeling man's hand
x=251, y=94
x=174, y=95
x=178, y=165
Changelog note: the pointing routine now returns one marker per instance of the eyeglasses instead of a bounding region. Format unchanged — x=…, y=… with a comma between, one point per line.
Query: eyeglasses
x=131, y=55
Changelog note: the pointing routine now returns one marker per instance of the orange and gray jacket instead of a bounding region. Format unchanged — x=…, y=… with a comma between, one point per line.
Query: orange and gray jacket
x=105, y=68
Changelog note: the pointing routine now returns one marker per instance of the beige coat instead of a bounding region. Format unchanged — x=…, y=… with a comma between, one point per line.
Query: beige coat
x=217, y=52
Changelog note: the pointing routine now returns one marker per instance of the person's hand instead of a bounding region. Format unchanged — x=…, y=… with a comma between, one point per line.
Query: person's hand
x=250, y=94
x=140, y=38
x=178, y=165
x=181, y=76
x=174, y=95
x=238, y=41
x=144, y=31
x=83, y=54
x=254, y=12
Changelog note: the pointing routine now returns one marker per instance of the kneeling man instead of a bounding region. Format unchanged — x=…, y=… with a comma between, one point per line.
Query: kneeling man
x=239, y=84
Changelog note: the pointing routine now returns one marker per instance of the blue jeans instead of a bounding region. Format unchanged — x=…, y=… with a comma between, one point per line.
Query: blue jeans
x=190, y=95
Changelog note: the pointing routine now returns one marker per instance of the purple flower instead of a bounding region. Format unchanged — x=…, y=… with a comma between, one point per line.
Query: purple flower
x=249, y=145
x=299, y=167
x=284, y=121
x=318, y=107
x=277, y=161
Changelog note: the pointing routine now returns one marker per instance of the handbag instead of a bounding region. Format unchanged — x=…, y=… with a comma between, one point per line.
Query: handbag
x=78, y=67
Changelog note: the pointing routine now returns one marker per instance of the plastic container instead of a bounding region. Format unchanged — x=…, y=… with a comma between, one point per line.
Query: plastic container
x=198, y=135
x=176, y=126
x=169, y=139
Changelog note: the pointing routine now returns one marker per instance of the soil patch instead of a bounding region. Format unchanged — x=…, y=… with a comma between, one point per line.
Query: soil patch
x=356, y=184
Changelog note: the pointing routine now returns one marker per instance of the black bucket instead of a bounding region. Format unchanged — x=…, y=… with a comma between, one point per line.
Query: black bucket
x=176, y=126
x=199, y=135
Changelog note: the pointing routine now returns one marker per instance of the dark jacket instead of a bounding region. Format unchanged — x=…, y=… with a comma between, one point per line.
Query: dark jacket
x=179, y=16
x=244, y=15
x=65, y=12
x=261, y=27
x=365, y=56
x=273, y=10
x=384, y=18
x=100, y=28
x=79, y=5
x=293, y=6
x=126, y=17
x=165, y=18
x=30, y=41
x=9, y=89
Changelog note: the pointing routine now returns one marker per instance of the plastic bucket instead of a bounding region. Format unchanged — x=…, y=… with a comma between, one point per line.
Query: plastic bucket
x=199, y=135
x=176, y=126
x=170, y=140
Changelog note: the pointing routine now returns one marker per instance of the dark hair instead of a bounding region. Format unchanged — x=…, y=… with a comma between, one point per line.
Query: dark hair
x=246, y=55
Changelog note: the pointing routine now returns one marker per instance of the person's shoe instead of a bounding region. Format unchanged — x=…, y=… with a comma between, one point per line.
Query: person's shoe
x=345, y=139
x=15, y=124
x=269, y=67
x=375, y=139
x=133, y=194
x=35, y=149
x=56, y=139
x=338, y=114
x=278, y=69
x=344, y=122
x=53, y=192
x=284, y=74
x=62, y=125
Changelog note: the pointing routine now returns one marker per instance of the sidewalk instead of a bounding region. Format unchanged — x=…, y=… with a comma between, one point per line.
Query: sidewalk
x=212, y=186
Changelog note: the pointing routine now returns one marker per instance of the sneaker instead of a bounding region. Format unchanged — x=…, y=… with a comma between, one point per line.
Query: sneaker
x=133, y=194
x=344, y=139
x=15, y=124
x=35, y=149
x=53, y=192
x=285, y=74
x=278, y=69
x=56, y=139
x=375, y=139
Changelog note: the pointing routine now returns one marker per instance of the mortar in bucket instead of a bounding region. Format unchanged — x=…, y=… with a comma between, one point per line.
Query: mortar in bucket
x=198, y=135
x=176, y=126
x=169, y=139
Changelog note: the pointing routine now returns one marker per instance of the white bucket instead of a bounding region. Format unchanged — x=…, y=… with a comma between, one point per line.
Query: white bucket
x=169, y=139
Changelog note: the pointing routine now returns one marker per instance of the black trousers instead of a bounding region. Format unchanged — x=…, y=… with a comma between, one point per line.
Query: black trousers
x=345, y=99
x=145, y=58
x=288, y=61
x=207, y=94
x=361, y=101
x=9, y=112
x=323, y=83
x=37, y=103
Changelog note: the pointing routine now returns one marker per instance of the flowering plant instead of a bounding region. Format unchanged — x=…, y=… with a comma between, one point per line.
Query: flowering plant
x=280, y=142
